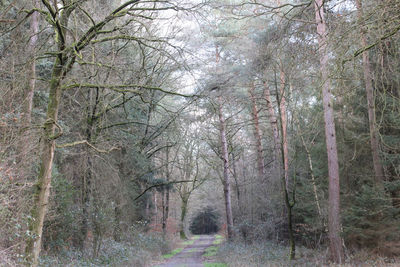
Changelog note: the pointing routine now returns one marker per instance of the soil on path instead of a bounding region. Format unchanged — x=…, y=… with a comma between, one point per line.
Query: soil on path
x=191, y=256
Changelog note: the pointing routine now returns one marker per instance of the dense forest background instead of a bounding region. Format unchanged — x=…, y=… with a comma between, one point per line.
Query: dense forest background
x=121, y=122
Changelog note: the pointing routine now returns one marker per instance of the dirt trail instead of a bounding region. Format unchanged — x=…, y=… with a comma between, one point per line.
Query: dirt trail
x=191, y=256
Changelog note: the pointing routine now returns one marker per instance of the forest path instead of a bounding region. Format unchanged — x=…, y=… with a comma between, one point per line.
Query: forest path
x=191, y=256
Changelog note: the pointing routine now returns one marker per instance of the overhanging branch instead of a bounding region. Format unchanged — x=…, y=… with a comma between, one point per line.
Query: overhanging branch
x=161, y=184
x=125, y=88
x=368, y=47
x=86, y=143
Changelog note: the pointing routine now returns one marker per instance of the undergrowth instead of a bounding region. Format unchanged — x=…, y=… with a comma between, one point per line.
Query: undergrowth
x=138, y=252
x=211, y=251
x=272, y=254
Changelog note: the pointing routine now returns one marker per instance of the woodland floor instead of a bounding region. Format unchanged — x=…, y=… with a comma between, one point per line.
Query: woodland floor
x=191, y=255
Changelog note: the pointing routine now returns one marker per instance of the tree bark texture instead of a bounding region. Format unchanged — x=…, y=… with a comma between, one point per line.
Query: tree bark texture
x=34, y=31
x=373, y=131
x=282, y=108
x=274, y=125
x=183, y=216
x=310, y=165
x=225, y=158
x=87, y=177
x=334, y=224
x=235, y=177
x=280, y=96
x=61, y=67
x=30, y=89
x=257, y=134
x=42, y=186
x=166, y=195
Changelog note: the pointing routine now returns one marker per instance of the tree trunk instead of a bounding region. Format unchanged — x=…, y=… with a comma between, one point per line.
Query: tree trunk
x=117, y=220
x=166, y=197
x=235, y=177
x=373, y=131
x=275, y=131
x=86, y=187
x=334, y=224
x=226, y=184
x=87, y=178
x=283, y=118
x=310, y=165
x=118, y=196
x=280, y=99
x=62, y=65
x=163, y=221
x=34, y=31
x=31, y=83
x=183, y=216
x=42, y=187
x=257, y=134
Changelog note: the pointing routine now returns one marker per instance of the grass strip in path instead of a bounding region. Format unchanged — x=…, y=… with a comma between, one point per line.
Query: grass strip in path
x=172, y=253
x=177, y=250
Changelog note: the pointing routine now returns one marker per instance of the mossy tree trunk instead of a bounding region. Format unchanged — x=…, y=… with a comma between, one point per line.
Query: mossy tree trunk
x=51, y=132
x=42, y=186
x=64, y=60
x=183, y=216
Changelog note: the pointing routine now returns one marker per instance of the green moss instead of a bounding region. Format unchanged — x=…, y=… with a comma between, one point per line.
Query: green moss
x=173, y=253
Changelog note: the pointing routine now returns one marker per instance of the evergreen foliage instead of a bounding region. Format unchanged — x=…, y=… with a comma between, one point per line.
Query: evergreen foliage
x=205, y=222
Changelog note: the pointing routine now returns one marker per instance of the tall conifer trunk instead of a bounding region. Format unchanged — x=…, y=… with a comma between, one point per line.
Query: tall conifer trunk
x=225, y=158
x=334, y=224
